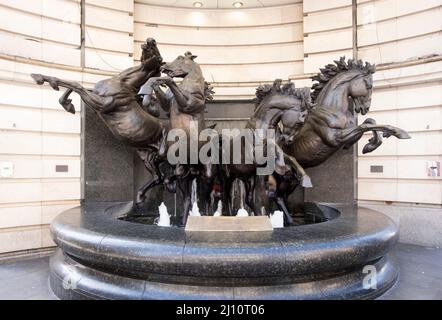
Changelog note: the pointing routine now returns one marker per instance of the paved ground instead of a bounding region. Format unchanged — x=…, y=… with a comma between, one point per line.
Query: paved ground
x=420, y=276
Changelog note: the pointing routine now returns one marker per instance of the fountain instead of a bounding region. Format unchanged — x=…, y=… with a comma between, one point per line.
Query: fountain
x=121, y=250
x=219, y=210
x=164, y=218
x=277, y=219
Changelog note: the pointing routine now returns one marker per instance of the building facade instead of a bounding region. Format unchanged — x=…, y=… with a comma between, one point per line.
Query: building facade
x=238, y=49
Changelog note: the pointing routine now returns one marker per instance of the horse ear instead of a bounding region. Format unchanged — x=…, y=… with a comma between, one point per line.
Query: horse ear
x=189, y=55
x=303, y=115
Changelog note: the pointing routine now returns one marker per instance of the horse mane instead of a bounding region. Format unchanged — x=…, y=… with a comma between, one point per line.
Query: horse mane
x=331, y=70
x=208, y=91
x=287, y=89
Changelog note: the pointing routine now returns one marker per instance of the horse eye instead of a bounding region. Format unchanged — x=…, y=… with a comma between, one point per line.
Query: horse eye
x=368, y=83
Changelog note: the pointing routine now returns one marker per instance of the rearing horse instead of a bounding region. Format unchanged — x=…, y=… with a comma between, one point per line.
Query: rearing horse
x=115, y=100
x=275, y=104
x=185, y=102
x=342, y=88
x=116, y=103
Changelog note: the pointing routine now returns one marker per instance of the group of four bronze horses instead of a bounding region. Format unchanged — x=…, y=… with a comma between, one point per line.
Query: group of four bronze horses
x=311, y=125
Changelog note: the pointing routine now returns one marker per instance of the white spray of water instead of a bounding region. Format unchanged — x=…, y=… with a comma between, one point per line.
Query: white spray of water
x=242, y=213
x=195, y=212
x=164, y=219
x=194, y=193
x=277, y=219
x=219, y=210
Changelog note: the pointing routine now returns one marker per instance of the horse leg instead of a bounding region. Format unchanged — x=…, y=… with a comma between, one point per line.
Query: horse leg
x=92, y=99
x=226, y=195
x=185, y=187
x=306, y=182
x=348, y=135
x=373, y=143
x=284, y=187
x=151, y=165
x=205, y=192
x=66, y=103
x=305, y=179
x=141, y=194
x=281, y=206
x=249, y=185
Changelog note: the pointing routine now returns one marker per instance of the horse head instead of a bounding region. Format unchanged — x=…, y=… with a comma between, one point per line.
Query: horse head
x=361, y=89
x=291, y=122
x=151, y=56
x=355, y=76
x=284, y=105
x=182, y=66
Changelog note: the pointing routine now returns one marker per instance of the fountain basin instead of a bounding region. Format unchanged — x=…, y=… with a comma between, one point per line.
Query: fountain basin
x=108, y=258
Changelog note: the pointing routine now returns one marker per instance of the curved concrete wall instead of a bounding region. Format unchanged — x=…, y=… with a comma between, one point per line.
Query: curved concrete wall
x=36, y=135
x=409, y=97
x=234, y=47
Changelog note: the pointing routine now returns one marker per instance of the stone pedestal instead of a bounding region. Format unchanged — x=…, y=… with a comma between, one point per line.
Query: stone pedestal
x=108, y=164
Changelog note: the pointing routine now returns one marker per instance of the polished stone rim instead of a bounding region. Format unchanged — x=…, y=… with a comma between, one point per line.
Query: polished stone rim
x=94, y=237
x=70, y=280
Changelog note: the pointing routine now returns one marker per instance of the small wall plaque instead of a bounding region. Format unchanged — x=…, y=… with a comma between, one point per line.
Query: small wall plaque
x=61, y=168
x=433, y=168
x=376, y=169
x=6, y=169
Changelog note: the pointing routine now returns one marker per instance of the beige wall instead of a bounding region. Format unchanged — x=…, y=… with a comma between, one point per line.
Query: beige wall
x=389, y=32
x=237, y=49
x=328, y=32
x=409, y=97
x=36, y=134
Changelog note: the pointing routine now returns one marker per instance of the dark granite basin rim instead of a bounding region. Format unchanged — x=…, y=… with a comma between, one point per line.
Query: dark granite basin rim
x=92, y=283
x=93, y=235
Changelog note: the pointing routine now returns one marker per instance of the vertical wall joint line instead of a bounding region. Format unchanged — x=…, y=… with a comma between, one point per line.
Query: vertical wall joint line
x=83, y=34
x=83, y=106
x=355, y=28
x=355, y=56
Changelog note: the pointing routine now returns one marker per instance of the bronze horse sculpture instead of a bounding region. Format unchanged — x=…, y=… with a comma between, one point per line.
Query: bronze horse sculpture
x=116, y=103
x=310, y=126
x=275, y=104
x=185, y=103
x=343, y=88
x=114, y=100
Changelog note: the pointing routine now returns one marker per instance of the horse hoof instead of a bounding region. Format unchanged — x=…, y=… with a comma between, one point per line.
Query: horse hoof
x=306, y=182
x=54, y=86
x=68, y=106
x=38, y=78
x=370, y=147
x=403, y=135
